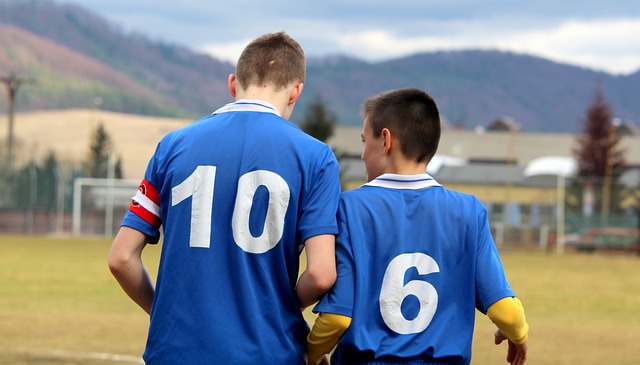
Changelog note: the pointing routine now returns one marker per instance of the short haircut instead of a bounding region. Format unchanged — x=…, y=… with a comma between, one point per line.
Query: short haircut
x=272, y=58
x=411, y=115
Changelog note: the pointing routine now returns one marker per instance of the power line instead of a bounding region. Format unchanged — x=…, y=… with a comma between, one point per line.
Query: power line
x=13, y=84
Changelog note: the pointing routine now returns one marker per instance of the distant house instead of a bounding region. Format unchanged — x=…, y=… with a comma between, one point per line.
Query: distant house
x=627, y=129
x=504, y=124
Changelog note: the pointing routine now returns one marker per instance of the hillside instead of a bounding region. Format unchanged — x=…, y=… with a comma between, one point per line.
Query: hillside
x=68, y=134
x=59, y=76
x=187, y=83
x=75, y=56
x=476, y=87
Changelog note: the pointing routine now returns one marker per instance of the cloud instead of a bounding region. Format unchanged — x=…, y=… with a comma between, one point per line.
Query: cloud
x=225, y=51
x=612, y=45
x=592, y=34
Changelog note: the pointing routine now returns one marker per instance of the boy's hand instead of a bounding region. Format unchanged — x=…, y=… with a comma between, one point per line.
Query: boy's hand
x=516, y=354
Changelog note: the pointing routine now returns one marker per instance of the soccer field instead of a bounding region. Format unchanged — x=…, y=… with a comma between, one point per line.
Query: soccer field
x=60, y=305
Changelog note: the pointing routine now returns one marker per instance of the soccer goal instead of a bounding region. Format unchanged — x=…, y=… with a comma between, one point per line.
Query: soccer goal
x=100, y=204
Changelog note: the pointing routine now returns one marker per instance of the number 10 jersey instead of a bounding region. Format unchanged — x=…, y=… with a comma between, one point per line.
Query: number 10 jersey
x=236, y=194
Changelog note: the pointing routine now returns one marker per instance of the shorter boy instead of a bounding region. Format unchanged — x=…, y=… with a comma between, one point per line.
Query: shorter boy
x=415, y=260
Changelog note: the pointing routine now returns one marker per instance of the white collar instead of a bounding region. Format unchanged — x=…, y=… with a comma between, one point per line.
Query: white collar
x=247, y=105
x=412, y=182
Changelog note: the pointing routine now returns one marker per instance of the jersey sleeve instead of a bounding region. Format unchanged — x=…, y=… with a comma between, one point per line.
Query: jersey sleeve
x=508, y=315
x=144, y=211
x=320, y=203
x=340, y=298
x=325, y=334
x=491, y=280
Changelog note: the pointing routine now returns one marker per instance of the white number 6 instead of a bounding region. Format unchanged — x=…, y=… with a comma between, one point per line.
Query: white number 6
x=394, y=292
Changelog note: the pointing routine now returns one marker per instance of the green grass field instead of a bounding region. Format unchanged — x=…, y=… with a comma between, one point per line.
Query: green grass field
x=60, y=305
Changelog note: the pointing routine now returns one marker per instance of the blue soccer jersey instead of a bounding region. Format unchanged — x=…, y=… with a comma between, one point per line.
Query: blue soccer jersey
x=415, y=260
x=236, y=194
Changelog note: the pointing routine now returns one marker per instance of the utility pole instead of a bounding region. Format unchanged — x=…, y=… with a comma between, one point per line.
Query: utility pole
x=13, y=83
x=608, y=167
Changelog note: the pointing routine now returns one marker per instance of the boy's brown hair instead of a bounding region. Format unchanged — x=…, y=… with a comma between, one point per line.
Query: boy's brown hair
x=272, y=58
x=411, y=115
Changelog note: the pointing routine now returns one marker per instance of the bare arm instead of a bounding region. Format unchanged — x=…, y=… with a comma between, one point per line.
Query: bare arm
x=125, y=263
x=320, y=274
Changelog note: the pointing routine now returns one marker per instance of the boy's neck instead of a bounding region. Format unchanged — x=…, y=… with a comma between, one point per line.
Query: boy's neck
x=403, y=166
x=278, y=98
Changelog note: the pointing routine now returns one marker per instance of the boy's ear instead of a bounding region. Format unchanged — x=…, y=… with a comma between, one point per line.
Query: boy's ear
x=231, y=84
x=295, y=93
x=387, y=141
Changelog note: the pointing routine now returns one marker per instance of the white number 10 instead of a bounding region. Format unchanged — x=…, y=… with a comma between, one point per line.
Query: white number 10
x=200, y=187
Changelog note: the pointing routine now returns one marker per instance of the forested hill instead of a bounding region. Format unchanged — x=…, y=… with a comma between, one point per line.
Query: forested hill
x=176, y=80
x=476, y=87
x=74, y=56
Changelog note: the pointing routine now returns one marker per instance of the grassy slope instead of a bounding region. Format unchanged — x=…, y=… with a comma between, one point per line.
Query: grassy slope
x=57, y=293
x=69, y=132
x=61, y=76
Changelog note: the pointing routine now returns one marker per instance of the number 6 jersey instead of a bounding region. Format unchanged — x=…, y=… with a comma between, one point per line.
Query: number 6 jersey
x=415, y=260
x=236, y=194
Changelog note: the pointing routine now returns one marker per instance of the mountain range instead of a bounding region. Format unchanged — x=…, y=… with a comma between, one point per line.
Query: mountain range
x=69, y=57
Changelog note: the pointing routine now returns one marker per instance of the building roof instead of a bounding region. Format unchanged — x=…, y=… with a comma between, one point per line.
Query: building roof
x=504, y=124
x=481, y=173
x=521, y=147
x=521, y=159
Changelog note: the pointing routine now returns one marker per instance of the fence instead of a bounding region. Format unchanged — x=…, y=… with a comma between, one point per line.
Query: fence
x=54, y=204
x=565, y=214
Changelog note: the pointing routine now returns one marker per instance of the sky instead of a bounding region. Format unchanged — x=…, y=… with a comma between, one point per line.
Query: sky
x=595, y=34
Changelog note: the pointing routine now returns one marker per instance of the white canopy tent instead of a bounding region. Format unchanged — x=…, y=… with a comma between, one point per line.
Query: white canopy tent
x=551, y=165
x=438, y=161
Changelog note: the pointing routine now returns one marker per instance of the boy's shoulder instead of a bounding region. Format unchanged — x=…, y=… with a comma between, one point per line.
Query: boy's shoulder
x=440, y=191
x=460, y=195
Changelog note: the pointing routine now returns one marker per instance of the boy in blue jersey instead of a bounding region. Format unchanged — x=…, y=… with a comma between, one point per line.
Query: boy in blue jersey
x=238, y=194
x=415, y=260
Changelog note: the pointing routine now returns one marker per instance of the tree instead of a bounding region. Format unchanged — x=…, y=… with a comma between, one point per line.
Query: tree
x=117, y=168
x=37, y=184
x=599, y=156
x=598, y=152
x=48, y=181
x=319, y=121
x=100, y=149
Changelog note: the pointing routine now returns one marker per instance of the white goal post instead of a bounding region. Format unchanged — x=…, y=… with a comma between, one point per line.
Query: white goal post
x=104, y=195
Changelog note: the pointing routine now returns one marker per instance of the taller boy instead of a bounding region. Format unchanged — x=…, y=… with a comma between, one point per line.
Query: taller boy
x=238, y=194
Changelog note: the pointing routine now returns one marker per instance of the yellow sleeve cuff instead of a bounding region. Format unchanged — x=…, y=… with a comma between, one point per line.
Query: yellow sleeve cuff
x=508, y=315
x=325, y=334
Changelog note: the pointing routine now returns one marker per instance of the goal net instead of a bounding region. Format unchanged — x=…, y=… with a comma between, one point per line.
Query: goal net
x=99, y=205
